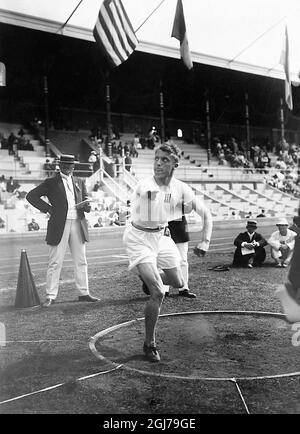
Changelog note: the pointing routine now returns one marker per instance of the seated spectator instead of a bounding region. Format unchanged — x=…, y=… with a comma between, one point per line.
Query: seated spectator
x=250, y=251
x=2, y=223
x=114, y=148
x=233, y=216
x=92, y=160
x=280, y=164
x=261, y=214
x=19, y=193
x=28, y=145
x=99, y=223
x=10, y=142
x=33, y=225
x=221, y=158
x=21, y=132
x=133, y=150
x=128, y=161
x=96, y=186
x=12, y=185
x=117, y=165
x=255, y=152
x=2, y=183
x=48, y=167
x=282, y=243
x=112, y=216
x=123, y=215
x=249, y=215
x=152, y=138
x=136, y=142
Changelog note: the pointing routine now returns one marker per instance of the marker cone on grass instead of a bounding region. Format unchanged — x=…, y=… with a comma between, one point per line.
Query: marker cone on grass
x=27, y=295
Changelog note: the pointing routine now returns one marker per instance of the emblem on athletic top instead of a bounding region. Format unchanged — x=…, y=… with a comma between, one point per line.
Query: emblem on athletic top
x=167, y=198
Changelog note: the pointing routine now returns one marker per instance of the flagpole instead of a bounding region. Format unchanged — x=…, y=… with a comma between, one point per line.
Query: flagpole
x=281, y=119
x=162, y=115
x=108, y=113
x=146, y=19
x=66, y=22
x=208, y=131
x=247, y=124
x=46, y=124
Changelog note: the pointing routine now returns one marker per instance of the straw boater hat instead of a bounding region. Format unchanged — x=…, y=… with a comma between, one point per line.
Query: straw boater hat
x=67, y=159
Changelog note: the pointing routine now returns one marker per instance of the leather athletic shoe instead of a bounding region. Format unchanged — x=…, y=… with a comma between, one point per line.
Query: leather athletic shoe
x=88, y=298
x=151, y=353
x=145, y=289
x=48, y=302
x=186, y=293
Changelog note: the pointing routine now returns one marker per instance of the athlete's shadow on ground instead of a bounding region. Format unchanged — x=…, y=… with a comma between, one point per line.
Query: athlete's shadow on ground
x=74, y=306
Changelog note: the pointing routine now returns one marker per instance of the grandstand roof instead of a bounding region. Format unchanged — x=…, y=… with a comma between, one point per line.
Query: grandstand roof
x=240, y=35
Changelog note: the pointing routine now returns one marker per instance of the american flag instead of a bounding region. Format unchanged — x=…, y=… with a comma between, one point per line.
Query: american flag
x=114, y=33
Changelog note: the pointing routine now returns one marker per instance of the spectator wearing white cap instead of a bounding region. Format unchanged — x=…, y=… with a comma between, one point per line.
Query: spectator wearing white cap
x=282, y=243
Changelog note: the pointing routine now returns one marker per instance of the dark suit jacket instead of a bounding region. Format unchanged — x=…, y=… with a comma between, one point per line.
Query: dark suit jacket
x=244, y=237
x=260, y=253
x=54, y=190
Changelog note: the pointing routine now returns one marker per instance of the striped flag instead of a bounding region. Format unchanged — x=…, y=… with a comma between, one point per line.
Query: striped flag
x=285, y=61
x=114, y=33
x=179, y=32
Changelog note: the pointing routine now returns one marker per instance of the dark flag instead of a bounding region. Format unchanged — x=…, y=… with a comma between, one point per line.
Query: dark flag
x=2, y=74
x=114, y=33
x=179, y=32
x=285, y=61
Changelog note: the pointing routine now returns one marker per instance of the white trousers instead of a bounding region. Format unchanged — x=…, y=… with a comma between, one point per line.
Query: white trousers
x=72, y=237
x=184, y=265
x=282, y=257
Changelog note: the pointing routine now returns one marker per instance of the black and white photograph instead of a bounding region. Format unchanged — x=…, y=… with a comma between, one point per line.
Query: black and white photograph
x=149, y=210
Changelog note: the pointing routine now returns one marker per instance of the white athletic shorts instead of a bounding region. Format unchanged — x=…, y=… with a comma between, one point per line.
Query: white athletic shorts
x=150, y=247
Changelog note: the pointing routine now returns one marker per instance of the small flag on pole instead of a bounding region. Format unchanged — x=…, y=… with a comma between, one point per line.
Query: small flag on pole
x=2, y=74
x=285, y=61
x=114, y=33
x=179, y=32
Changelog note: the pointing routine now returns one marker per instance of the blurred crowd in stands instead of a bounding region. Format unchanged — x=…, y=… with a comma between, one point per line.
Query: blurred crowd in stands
x=232, y=153
x=235, y=153
x=14, y=143
x=114, y=146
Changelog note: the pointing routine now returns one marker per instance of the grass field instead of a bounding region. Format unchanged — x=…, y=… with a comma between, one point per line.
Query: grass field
x=49, y=347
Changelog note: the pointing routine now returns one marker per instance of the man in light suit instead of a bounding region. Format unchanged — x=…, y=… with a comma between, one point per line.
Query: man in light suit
x=250, y=250
x=66, y=226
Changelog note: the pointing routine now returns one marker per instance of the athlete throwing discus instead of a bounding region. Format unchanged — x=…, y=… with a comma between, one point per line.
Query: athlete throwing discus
x=153, y=256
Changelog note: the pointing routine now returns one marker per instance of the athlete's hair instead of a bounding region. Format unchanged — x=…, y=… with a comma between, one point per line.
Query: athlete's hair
x=173, y=150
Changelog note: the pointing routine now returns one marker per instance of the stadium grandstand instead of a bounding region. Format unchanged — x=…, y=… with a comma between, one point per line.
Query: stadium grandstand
x=240, y=155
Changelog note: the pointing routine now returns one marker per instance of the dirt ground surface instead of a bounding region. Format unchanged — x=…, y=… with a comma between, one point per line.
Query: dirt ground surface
x=202, y=355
